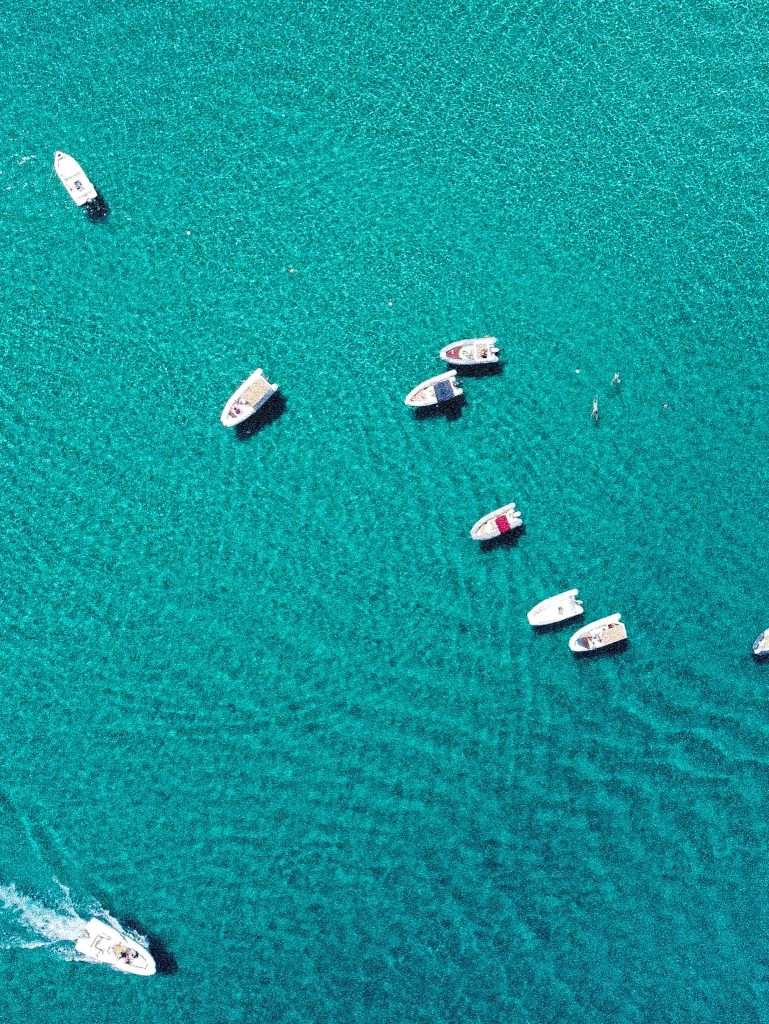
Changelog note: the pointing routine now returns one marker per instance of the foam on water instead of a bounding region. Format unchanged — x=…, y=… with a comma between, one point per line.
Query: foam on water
x=50, y=924
x=56, y=925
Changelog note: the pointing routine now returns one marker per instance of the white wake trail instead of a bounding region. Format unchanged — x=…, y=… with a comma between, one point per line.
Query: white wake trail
x=47, y=925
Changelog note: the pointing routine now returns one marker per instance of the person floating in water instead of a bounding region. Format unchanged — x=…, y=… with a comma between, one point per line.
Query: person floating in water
x=616, y=380
x=594, y=413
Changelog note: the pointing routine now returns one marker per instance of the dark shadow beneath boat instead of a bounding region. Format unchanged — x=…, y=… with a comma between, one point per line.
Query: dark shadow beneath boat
x=504, y=540
x=97, y=208
x=481, y=370
x=164, y=959
x=263, y=417
x=445, y=410
x=602, y=652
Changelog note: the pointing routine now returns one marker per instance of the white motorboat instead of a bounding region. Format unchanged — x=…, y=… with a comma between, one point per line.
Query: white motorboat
x=601, y=633
x=250, y=396
x=434, y=391
x=470, y=352
x=594, y=413
x=77, y=183
x=761, y=645
x=559, y=608
x=100, y=943
x=494, y=524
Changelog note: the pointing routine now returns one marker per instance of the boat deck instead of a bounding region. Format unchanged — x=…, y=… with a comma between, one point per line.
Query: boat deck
x=612, y=633
x=255, y=392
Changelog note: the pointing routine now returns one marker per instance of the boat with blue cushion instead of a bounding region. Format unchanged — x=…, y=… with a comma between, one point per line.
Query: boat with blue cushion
x=435, y=391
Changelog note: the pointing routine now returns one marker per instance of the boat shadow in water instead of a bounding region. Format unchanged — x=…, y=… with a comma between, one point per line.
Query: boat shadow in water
x=481, y=370
x=97, y=208
x=262, y=418
x=504, y=540
x=602, y=652
x=445, y=410
x=164, y=959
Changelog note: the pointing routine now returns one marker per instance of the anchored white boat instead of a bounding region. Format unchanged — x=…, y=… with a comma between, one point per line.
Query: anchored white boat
x=761, y=645
x=434, y=391
x=470, y=352
x=250, y=396
x=559, y=608
x=494, y=524
x=100, y=943
x=77, y=183
x=601, y=633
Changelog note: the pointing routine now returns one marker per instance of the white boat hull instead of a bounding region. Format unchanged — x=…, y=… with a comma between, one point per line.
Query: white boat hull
x=761, y=645
x=100, y=943
x=495, y=524
x=470, y=352
x=434, y=391
x=247, y=399
x=559, y=608
x=599, y=634
x=74, y=179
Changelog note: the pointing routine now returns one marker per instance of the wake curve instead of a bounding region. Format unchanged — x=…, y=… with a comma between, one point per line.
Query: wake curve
x=30, y=923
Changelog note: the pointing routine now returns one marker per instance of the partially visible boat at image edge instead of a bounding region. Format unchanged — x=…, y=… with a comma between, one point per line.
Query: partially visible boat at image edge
x=761, y=645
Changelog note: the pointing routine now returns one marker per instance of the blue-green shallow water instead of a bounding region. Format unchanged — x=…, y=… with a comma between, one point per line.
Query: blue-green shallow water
x=265, y=698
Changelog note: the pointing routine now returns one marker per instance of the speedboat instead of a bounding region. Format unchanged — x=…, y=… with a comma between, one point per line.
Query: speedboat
x=79, y=186
x=556, y=609
x=761, y=645
x=100, y=943
x=494, y=524
x=601, y=633
x=594, y=414
x=250, y=396
x=434, y=391
x=470, y=352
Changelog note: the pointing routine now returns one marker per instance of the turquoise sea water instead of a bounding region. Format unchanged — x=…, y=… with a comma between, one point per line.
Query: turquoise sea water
x=263, y=699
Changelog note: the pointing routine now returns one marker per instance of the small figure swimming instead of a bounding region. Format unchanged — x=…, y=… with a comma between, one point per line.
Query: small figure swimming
x=594, y=413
